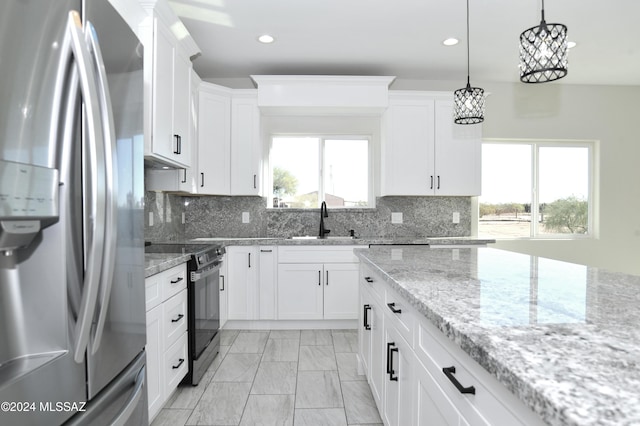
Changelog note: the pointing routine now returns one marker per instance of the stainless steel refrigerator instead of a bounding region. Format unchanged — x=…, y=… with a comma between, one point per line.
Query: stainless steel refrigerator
x=72, y=312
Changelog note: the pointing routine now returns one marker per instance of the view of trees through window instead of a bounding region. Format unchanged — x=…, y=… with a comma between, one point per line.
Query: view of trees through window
x=308, y=170
x=534, y=190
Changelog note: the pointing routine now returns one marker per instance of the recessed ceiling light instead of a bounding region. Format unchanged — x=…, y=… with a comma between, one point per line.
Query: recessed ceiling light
x=266, y=39
x=571, y=44
x=450, y=41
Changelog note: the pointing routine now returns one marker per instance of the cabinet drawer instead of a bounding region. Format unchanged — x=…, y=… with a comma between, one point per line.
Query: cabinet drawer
x=373, y=282
x=175, y=364
x=492, y=403
x=173, y=281
x=317, y=254
x=175, y=317
x=400, y=314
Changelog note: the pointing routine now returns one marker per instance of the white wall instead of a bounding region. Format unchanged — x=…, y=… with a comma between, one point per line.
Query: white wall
x=609, y=114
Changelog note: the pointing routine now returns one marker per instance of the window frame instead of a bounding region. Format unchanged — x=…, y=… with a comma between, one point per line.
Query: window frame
x=592, y=179
x=322, y=138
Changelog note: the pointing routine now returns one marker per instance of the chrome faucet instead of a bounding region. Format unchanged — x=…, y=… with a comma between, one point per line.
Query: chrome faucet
x=323, y=213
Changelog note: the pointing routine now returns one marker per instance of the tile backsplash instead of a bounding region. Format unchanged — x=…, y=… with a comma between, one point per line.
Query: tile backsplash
x=221, y=216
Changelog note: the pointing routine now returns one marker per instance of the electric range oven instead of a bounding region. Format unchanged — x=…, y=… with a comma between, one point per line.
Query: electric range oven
x=203, y=310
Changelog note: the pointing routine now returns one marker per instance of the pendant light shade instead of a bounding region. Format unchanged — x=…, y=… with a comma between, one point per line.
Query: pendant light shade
x=468, y=102
x=543, y=52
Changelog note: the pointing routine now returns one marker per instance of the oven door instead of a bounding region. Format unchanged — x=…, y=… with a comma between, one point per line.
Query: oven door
x=205, y=307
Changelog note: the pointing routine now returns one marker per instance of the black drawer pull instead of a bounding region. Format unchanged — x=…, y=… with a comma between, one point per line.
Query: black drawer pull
x=392, y=306
x=177, y=280
x=179, y=364
x=368, y=279
x=390, y=370
x=366, y=324
x=180, y=316
x=449, y=372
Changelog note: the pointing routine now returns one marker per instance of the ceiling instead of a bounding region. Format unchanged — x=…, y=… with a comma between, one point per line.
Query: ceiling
x=403, y=38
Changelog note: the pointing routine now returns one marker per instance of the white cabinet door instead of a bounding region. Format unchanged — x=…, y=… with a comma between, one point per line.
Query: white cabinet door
x=163, y=142
x=246, y=148
x=267, y=279
x=364, y=330
x=300, y=291
x=341, y=290
x=214, y=140
x=458, y=154
x=424, y=152
x=378, y=353
x=155, y=361
x=407, y=160
x=224, y=302
x=182, y=105
x=399, y=379
x=242, y=288
x=431, y=404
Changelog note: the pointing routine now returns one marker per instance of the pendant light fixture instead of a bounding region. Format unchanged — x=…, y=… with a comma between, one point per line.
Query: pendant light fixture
x=468, y=102
x=543, y=52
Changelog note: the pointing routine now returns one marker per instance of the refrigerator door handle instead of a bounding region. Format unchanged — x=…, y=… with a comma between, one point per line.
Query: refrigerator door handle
x=111, y=222
x=132, y=403
x=93, y=270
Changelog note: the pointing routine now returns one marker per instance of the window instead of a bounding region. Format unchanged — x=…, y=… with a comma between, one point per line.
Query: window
x=306, y=170
x=536, y=189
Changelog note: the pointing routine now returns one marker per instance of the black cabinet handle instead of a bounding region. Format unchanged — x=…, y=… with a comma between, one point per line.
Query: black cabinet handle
x=449, y=372
x=438, y=182
x=431, y=182
x=249, y=260
x=266, y=251
x=368, y=279
x=326, y=282
x=366, y=325
x=319, y=277
x=201, y=180
x=179, y=363
x=177, y=280
x=178, y=149
x=392, y=306
x=222, y=279
x=254, y=181
x=184, y=176
x=180, y=316
x=390, y=370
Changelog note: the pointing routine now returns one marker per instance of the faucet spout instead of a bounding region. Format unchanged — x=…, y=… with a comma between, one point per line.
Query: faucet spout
x=323, y=213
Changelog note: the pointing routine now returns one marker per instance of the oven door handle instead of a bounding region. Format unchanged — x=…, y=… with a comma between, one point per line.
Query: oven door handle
x=203, y=273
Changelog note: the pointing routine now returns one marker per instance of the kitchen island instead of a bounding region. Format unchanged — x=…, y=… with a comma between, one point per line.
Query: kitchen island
x=563, y=338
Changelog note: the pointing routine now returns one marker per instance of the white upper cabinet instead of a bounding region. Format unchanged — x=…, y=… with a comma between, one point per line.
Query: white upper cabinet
x=167, y=80
x=214, y=140
x=424, y=152
x=246, y=147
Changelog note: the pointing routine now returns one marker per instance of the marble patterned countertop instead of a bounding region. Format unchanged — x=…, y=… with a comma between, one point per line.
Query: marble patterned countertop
x=156, y=263
x=564, y=338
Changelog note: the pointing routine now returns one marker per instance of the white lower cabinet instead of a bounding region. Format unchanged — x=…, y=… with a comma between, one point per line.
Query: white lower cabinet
x=399, y=378
x=166, y=296
x=317, y=282
x=419, y=377
x=224, y=313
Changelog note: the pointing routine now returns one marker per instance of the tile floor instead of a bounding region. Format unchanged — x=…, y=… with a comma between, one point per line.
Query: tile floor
x=278, y=377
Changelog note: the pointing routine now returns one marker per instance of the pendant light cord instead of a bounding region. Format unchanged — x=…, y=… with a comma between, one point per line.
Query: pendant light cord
x=468, y=48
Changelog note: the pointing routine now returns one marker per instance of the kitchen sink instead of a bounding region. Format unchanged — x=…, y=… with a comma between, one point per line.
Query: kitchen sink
x=315, y=237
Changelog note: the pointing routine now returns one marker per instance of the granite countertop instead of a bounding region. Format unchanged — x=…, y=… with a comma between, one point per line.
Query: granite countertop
x=156, y=263
x=564, y=338
x=159, y=262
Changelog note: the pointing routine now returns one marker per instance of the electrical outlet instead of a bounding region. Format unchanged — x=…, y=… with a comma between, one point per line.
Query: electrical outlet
x=455, y=254
x=150, y=218
x=396, y=217
x=456, y=217
x=245, y=217
x=183, y=218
